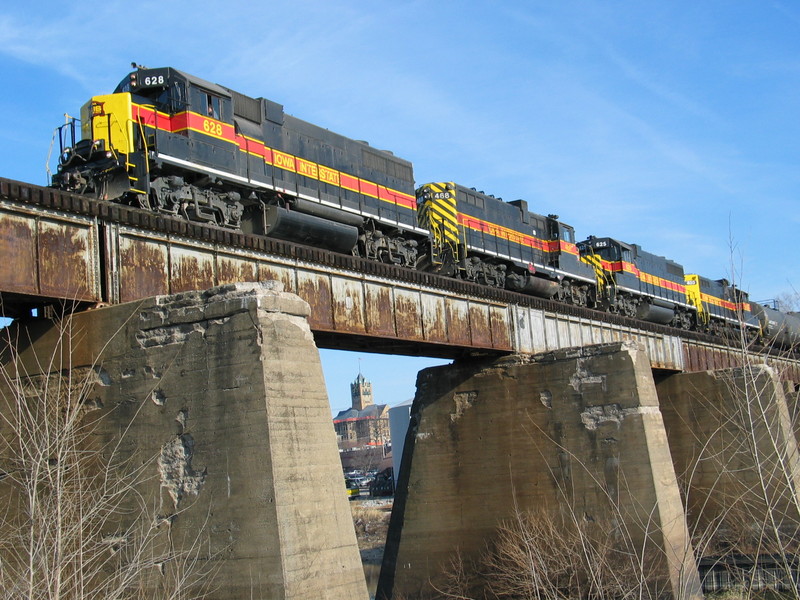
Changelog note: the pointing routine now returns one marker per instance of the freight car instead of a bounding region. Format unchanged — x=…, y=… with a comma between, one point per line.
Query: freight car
x=176, y=144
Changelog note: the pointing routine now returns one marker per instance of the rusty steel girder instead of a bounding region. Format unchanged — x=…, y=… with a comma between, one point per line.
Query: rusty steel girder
x=144, y=263
x=48, y=254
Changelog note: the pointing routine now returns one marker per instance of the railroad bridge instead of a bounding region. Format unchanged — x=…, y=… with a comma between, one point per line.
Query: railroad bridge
x=62, y=249
x=564, y=411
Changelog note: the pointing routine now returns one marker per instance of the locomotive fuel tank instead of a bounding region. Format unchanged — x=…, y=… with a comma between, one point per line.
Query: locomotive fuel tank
x=778, y=327
x=310, y=230
x=655, y=311
x=328, y=213
x=536, y=286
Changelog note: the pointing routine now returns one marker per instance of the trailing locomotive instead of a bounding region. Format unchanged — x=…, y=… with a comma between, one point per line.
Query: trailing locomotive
x=176, y=144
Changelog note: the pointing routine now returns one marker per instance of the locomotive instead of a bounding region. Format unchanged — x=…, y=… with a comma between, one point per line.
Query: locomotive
x=172, y=143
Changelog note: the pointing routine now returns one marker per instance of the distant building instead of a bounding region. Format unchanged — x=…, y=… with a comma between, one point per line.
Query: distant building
x=364, y=423
x=399, y=420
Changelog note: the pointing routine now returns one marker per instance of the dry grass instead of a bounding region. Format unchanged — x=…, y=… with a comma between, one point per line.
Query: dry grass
x=535, y=557
x=371, y=526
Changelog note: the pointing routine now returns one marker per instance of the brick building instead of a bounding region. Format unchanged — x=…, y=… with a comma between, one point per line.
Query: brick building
x=364, y=423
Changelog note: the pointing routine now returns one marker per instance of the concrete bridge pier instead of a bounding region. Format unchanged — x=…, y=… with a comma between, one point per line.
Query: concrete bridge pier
x=735, y=453
x=569, y=443
x=211, y=406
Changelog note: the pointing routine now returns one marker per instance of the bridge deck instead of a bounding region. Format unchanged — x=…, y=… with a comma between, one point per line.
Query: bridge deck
x=64, y=248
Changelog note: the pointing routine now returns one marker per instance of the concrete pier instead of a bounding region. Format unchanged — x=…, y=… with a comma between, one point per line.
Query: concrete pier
x=572, y=438
x=735, y=452
x=218, y=402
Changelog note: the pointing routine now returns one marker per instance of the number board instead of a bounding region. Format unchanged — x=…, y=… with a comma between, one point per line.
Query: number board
x=154, y=78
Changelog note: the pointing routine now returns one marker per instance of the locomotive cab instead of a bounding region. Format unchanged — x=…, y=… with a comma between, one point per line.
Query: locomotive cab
x=160, y=88
x=164, y=141
x=609, y=250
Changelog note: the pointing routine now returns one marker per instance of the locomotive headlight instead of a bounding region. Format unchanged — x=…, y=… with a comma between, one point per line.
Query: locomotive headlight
x=108, y=155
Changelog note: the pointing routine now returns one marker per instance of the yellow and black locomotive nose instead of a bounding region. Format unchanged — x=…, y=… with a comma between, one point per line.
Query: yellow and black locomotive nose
x=439, y=208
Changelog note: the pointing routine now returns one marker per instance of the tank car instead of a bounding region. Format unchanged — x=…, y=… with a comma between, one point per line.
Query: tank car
x=781, y=328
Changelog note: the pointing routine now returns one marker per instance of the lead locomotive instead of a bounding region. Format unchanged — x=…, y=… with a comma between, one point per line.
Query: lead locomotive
x=176, y=144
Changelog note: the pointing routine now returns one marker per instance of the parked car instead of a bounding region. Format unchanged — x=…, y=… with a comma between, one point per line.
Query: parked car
x=353, y=488
x=363, y=482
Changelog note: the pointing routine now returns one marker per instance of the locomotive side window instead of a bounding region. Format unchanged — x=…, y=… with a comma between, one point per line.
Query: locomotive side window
x=212, y=106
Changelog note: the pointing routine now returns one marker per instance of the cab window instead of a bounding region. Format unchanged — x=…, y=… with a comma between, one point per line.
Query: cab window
x=212, y=104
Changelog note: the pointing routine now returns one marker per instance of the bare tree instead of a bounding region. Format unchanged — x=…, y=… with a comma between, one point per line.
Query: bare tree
x=73, y=524
x=742, y=485
x=789, y=301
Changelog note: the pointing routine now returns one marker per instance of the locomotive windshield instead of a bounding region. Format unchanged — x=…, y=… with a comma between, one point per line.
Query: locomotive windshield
x=167, y=94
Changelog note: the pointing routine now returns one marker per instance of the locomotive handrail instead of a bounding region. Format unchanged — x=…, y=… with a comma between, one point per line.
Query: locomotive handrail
x=144, y=145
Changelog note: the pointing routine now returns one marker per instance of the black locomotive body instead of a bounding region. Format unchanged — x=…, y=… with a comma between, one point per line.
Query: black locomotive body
x=637, y=283
x=502, y=243
x=173, y=143
x=184, y=146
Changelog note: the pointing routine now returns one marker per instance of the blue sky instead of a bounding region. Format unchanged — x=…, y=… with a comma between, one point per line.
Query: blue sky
x=675, y=125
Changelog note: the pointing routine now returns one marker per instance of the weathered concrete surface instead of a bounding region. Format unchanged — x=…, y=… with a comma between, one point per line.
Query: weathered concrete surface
x=573, y=433
x=220, y=397
x=735, y=453
x=792, y=393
